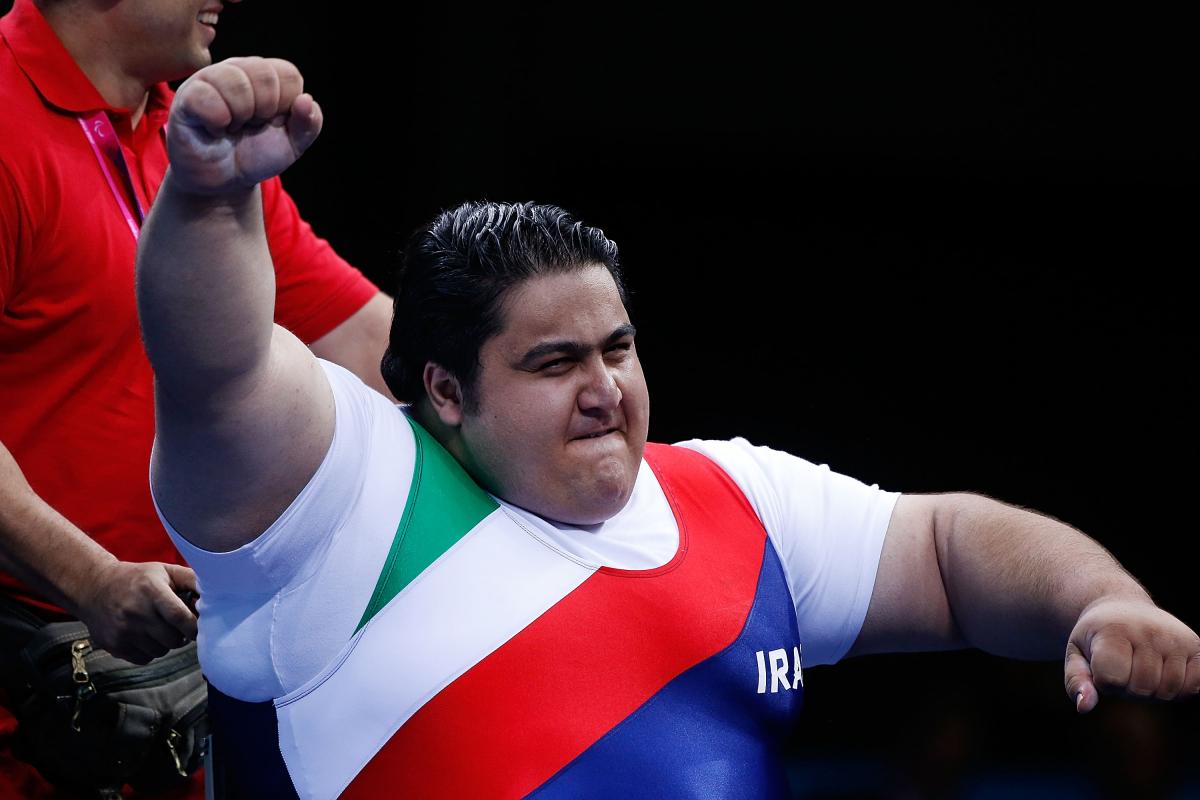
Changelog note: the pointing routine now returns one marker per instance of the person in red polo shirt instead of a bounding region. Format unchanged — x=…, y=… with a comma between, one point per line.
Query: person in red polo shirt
x=82, y=154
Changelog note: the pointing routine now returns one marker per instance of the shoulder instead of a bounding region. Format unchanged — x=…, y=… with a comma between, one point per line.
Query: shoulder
x=794, y=496
x=749, y=465
x=40, y=147
x=372, y=441
x=365, y=419
x=25, y=112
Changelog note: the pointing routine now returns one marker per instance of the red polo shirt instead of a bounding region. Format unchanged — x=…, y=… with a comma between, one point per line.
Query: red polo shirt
x=76, y=401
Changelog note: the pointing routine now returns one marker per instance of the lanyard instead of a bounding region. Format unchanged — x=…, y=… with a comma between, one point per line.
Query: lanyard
x=103, y=139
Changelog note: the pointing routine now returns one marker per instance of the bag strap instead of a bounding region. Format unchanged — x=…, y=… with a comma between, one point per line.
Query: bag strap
x=18, y=625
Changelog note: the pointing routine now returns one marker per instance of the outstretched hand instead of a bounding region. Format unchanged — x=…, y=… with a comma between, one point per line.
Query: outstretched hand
x=237, y=123
x=1131, y=647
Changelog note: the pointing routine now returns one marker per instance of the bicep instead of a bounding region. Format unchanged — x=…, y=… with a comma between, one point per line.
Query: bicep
x=223, y=472
x=909, y=609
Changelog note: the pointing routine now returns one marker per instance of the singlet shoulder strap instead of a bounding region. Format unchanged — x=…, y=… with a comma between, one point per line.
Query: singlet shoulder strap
x=443, y=504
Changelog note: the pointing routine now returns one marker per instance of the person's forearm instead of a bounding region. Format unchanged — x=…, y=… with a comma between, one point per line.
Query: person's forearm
x=42, y=547
x=206, y=290
x=1018, y=581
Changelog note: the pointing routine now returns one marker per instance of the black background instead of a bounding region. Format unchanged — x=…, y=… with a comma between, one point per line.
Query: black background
x=935, y=248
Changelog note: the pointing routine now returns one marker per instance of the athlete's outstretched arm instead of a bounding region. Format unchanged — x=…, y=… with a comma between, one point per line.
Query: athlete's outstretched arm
x=244, y=412
x=961, y=569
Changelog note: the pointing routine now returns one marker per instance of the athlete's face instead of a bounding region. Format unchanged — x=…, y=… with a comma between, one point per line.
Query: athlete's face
x=562, y=408
x=166, y=39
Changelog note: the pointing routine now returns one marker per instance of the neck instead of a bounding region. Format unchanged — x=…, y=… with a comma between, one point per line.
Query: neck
x=427, y=419
x=83, y=32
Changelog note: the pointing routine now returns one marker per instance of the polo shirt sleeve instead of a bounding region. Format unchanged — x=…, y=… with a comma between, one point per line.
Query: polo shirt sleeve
x=315, y=289
x=828, y=530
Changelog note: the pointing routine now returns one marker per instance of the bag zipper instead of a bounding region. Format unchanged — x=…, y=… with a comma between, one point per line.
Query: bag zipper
x=146, y=676
x=84, y=688
x=156, y=674
x=174, y=735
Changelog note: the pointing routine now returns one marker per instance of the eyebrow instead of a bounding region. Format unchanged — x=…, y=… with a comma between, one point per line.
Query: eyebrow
x=572, y=348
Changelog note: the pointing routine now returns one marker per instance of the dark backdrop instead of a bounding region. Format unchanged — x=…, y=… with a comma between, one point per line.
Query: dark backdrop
x=938, y=249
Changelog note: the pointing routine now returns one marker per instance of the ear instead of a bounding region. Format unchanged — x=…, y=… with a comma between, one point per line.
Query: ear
x=444, y=393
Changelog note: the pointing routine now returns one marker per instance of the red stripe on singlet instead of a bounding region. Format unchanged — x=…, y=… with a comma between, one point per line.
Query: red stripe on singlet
x=526, y=710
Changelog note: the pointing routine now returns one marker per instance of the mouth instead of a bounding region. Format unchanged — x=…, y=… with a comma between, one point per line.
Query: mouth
x=208, y=17
x=597, y=434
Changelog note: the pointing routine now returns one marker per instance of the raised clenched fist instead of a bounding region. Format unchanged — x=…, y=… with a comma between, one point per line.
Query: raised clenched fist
x=237, y=123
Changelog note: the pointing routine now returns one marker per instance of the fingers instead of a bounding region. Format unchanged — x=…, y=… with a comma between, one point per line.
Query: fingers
x=250, y=92
x=304, y=123
x=1158, y=658
x=143, y=642
x=238, y=123
x=290, y=82
x=135, y=652
x=1191, y=683
x=201, y=105
x=175, y=613
x=1111, y=661
x=1174, y=673
x=1146, y=672
x=183, y=580
x=169, y=607
x=1078, y=679
x=161, y=635
x=138, y=616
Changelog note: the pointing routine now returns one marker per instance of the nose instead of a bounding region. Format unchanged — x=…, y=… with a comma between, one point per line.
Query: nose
x=601, y=394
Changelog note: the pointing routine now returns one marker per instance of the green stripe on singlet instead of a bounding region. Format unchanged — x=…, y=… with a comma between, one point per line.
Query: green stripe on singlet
x=443, y=505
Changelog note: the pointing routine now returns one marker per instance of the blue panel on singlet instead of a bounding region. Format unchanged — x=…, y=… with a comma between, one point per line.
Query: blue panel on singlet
x=709, y=733
x=246, y=758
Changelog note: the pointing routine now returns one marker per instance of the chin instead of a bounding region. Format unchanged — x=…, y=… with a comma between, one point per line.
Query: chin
x=603, y=503
x=599, y=505
x=197, y=58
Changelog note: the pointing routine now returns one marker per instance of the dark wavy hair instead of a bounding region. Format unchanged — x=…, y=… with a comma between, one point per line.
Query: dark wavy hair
x=455, y=272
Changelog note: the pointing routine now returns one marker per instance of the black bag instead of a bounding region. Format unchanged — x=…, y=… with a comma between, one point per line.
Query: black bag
x=92, y=722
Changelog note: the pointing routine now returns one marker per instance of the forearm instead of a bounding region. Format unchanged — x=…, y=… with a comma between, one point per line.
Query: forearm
x=205, y=289
x=42, y=547
x=1017, y=582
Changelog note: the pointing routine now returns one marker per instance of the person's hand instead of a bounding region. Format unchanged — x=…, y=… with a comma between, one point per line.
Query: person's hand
x=135, y=611
x=1132, y=647
x=237, y=123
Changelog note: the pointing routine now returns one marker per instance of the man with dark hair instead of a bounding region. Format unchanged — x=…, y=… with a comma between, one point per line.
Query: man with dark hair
x=82, y=153
x=503, y=590
x=459, y=268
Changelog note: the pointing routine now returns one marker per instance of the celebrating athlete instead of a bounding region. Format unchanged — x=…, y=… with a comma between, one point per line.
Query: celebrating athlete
x=501, y=589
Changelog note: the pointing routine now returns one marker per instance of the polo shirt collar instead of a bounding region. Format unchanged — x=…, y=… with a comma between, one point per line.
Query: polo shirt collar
x=44, y=59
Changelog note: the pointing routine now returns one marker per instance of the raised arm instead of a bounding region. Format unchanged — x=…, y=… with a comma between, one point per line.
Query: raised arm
x=244, y=412
x=961, y=569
